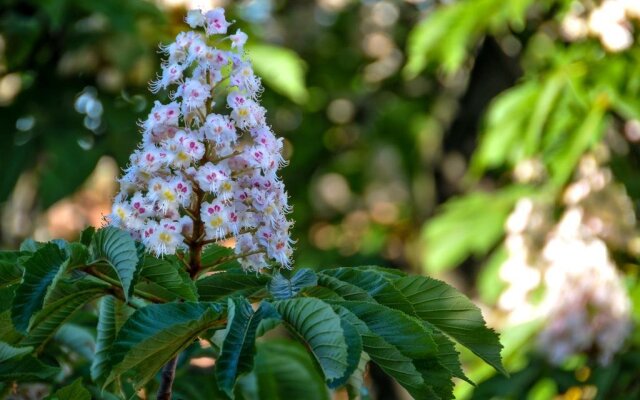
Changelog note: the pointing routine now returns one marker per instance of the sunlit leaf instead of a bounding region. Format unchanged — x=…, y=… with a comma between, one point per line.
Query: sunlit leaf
x=281, y=69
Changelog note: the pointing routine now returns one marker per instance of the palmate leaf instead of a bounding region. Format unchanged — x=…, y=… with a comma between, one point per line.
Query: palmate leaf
x=155, y=334
x=316, y=324
x=63, y=302
x=284, y=370
x=432, y=301
x=454, y=314
x=238, y=346
x=234, y=281
x=282, y=288
x=405, y=333
x=118, y=249
x=40, y=270
x=408, y=336
x=111, y=316
x=389, y=358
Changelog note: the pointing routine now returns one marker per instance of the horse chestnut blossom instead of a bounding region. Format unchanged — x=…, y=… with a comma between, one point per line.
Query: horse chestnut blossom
x=584, y=303
x=200, y=176
x=611, y=21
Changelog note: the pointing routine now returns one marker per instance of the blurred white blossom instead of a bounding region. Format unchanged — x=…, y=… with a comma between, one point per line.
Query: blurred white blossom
x=609, y=21
x=584, y=302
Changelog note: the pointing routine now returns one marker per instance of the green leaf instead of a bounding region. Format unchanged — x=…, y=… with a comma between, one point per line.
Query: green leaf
x=549, y=92
x=452, y=235
x=7, y=332
x=284, y=370
x=118, y=249
x=238, y=346
x=355, y=386
x=408, y=336
x=10, y=270
x=282, y=288
x=30, y=245
x=77, y=253
x=73, y=391
x=506, y=119
x=354, y=353
x=282, y=69
x=405, y=333
x=77, y=339
x=231, y=282
x=219, y=258
x=86, y=236
x=432, y=301
x=165, y=278
x=8, y=352
x=448, y=356
x=40, y=271
x=345, y=290
x=563, y=163
x=26, y=369
x=454, y=314
x=155, y=334
x=389, y=358
x=63, y=302
x=111, y=316
x=319, y=327
x=448, y=34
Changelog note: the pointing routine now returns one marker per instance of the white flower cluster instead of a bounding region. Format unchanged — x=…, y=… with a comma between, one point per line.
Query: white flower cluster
x=610, y=22
x=200, y=176
x=584, y=303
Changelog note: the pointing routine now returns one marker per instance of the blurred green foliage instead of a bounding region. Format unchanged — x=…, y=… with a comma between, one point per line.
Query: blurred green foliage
x=377, y=137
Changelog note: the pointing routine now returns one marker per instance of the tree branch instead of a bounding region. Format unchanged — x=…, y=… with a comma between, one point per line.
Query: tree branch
x=166, y=383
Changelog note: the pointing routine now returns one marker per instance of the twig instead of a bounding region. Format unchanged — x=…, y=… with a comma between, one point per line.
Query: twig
x=166, y=382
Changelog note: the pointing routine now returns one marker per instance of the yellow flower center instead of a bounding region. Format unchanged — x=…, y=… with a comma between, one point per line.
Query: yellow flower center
x=169, y=195
x=164, y=237
x=215, y=222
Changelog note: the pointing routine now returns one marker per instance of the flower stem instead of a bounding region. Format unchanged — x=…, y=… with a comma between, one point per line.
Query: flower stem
x=196, y=244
